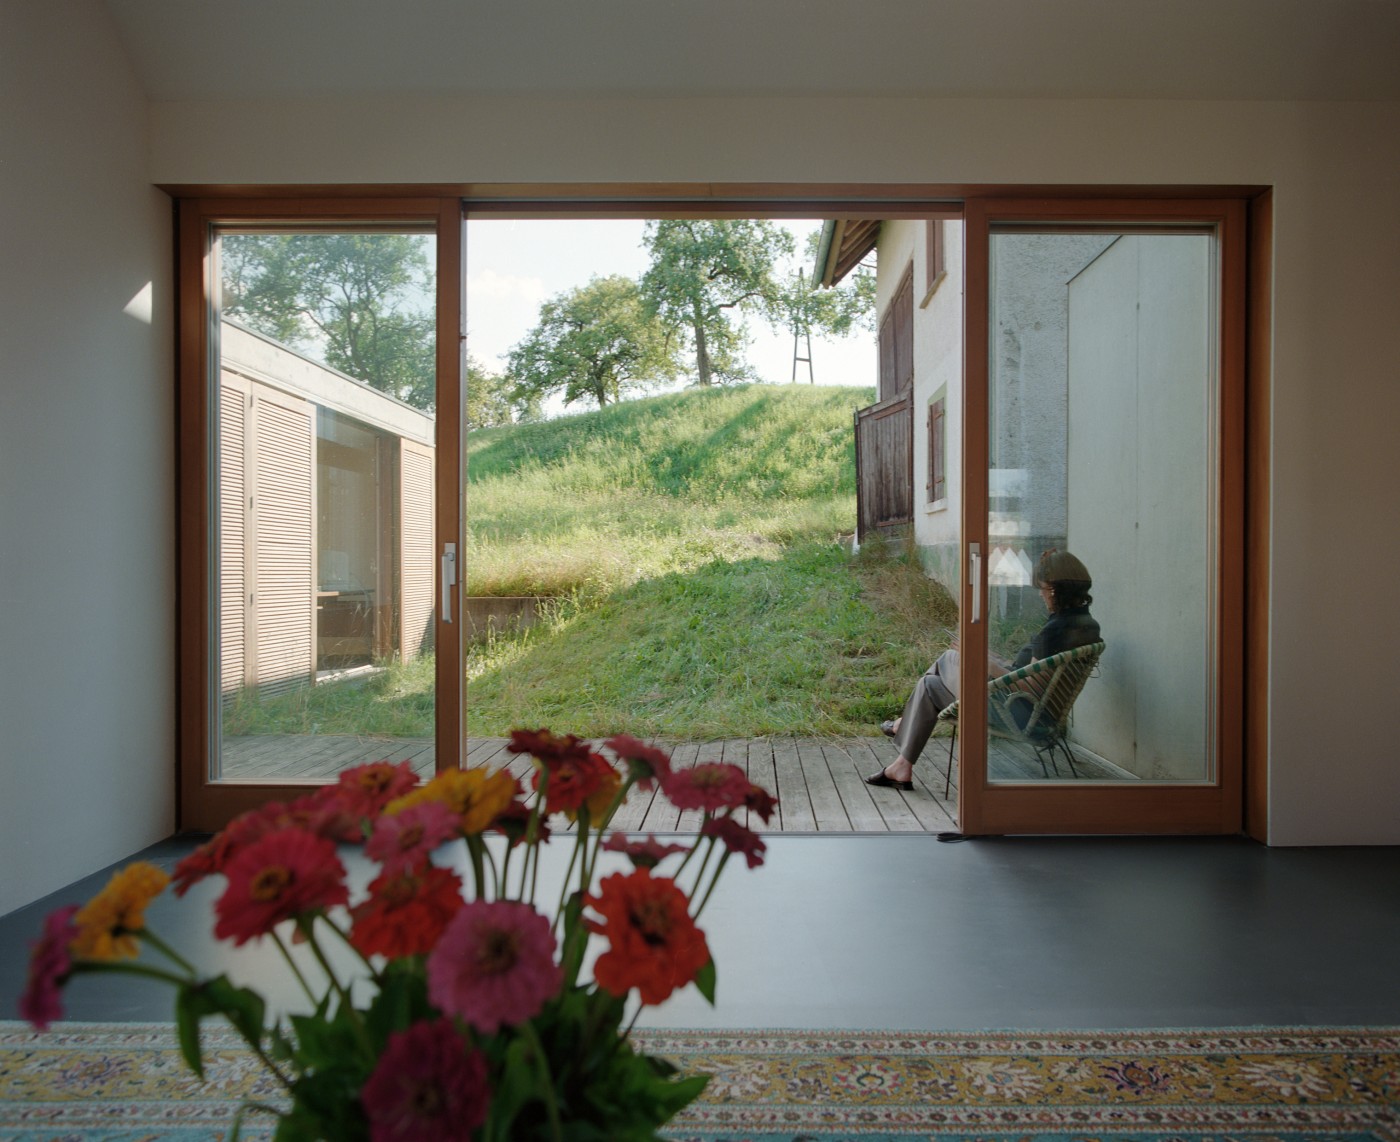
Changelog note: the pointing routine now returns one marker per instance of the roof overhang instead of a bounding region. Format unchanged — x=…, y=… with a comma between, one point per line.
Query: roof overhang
x=844, y=242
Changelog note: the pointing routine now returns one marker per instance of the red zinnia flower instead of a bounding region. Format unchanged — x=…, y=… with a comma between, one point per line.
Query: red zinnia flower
x=494, y=965
x=364, y=790
x=320, y=812
x=711, y=785
x=578, y=781
x=736, y=838
x=428, y=1086
x=548, y=747
x=49, y=962
x=407, y=839
x=760, y=802
x=646, y=763
x=405, y=912
x=653, y=944
x=643, y=854
x=284, y=874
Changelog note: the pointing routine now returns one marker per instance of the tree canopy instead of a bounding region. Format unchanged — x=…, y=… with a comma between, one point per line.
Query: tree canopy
x=596, y=342
x=359, y=302
x=705, y=277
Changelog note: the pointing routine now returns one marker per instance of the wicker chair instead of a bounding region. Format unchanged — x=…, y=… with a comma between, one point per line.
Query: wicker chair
x=1032, y=705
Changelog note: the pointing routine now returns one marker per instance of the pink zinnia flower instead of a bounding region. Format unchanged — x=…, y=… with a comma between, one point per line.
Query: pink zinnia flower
x=711, y=786
x=285, y=874
x=407, y=839
x=428, y=1086
x=736, y=838
x=494, y=965
x=49, y=962
x=646, y=763
x=643, y=854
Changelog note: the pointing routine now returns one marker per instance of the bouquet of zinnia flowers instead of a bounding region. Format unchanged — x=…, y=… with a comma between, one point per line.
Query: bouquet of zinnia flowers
x=476, y=1021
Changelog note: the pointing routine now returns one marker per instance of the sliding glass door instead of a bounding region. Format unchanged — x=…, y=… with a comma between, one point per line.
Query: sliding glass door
x=318, y=430
x=1104, y=517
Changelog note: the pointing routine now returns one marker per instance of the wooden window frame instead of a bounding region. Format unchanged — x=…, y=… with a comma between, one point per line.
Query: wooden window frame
x=202, y=803
x=455, y=201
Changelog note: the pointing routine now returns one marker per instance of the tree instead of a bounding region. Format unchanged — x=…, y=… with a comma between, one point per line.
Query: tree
x=361, y=303
x=846, y=308
x=705, y=272
x=595, y=341
x=491, y=398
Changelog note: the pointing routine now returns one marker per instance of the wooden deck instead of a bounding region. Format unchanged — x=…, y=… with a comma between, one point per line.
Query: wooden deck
x=819, y=782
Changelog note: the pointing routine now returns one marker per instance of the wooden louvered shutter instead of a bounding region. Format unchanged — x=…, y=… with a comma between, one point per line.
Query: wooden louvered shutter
x=233, y=510
x=904, y=333
x=937, y=450
x=281, y=466
x=416, y=550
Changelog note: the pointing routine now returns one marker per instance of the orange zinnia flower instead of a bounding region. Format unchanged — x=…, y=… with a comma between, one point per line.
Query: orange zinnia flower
x=653, y=944
x=106, y=922
x=477, y=796
x=406, y=912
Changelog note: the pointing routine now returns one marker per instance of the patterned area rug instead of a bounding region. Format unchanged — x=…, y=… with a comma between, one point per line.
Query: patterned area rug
x=126, y=1082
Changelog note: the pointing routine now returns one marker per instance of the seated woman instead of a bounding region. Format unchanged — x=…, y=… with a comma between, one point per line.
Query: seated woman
x=1064, y=584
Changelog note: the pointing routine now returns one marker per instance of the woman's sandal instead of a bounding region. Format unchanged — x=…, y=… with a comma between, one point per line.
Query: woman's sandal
x=884, y=781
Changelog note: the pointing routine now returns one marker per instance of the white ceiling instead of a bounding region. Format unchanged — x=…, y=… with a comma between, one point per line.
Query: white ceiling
x=1193, y=49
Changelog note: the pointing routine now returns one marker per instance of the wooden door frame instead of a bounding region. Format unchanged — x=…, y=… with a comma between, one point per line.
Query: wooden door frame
x=1216, y=807
x=203, y=805
x=451, y=203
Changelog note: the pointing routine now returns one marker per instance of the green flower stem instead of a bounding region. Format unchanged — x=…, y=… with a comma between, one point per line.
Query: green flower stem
x=704, y=864
x=306, y=927
x=719, y=868
x=551, y=1104
x=580, y=847
x=291, y=963
x=175, y=957
x=345, y=939
x=478, y=867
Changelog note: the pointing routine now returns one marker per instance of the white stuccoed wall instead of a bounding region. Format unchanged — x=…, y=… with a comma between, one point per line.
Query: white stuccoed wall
x=87, y=525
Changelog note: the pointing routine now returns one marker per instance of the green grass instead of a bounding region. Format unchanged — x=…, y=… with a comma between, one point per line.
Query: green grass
x=690, y=543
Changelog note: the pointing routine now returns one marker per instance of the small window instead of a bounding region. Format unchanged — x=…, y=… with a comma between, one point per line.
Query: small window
x=938, y=448
x=934, y=267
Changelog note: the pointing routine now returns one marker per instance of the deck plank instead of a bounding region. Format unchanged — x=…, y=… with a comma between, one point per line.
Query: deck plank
x=819, y=782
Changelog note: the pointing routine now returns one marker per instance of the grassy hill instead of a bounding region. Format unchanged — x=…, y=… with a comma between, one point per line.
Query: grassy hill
x=589, y=503
x=691, y=541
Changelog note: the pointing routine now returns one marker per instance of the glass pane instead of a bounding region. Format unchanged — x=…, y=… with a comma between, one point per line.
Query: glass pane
x=324, y=502
x=1101, y=408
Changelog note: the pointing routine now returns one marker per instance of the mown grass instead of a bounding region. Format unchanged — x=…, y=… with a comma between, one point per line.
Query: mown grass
x=691, y=546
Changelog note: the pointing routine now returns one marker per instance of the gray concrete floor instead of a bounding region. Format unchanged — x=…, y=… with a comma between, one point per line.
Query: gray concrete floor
x=907, y=933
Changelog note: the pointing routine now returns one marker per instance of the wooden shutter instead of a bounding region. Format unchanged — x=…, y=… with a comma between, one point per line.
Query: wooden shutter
x=282, y=540
x=416, y=549
x=904, y=333
x=937, y=450
x=887, y=383
x=233, y=511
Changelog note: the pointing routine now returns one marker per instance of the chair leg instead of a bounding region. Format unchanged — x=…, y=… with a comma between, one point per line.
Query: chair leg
x=1069, y=756
x=948, y=773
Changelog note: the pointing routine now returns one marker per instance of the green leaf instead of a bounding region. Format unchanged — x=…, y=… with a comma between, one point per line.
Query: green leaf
x=241, y=1006
x=188, y=1010
x=705, y=981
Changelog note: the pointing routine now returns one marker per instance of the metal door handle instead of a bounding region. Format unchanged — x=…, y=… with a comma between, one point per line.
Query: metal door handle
x=449, y=579
x=974, y=571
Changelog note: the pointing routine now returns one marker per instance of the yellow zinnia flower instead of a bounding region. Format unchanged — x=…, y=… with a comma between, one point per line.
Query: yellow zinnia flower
x=477, y=796
x=105, y=922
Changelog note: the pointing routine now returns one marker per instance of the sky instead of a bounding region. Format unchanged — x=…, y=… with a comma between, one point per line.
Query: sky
x=514, y=265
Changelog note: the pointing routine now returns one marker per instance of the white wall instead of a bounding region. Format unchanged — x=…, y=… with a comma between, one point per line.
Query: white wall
x=1139, y=367
x=86, y=465
x=1335, y=168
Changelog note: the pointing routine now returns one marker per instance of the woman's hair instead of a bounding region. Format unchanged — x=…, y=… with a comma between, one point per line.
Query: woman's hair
x=1067, y=577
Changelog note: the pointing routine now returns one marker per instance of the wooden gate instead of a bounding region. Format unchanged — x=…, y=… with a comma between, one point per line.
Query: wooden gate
x=885, y=464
